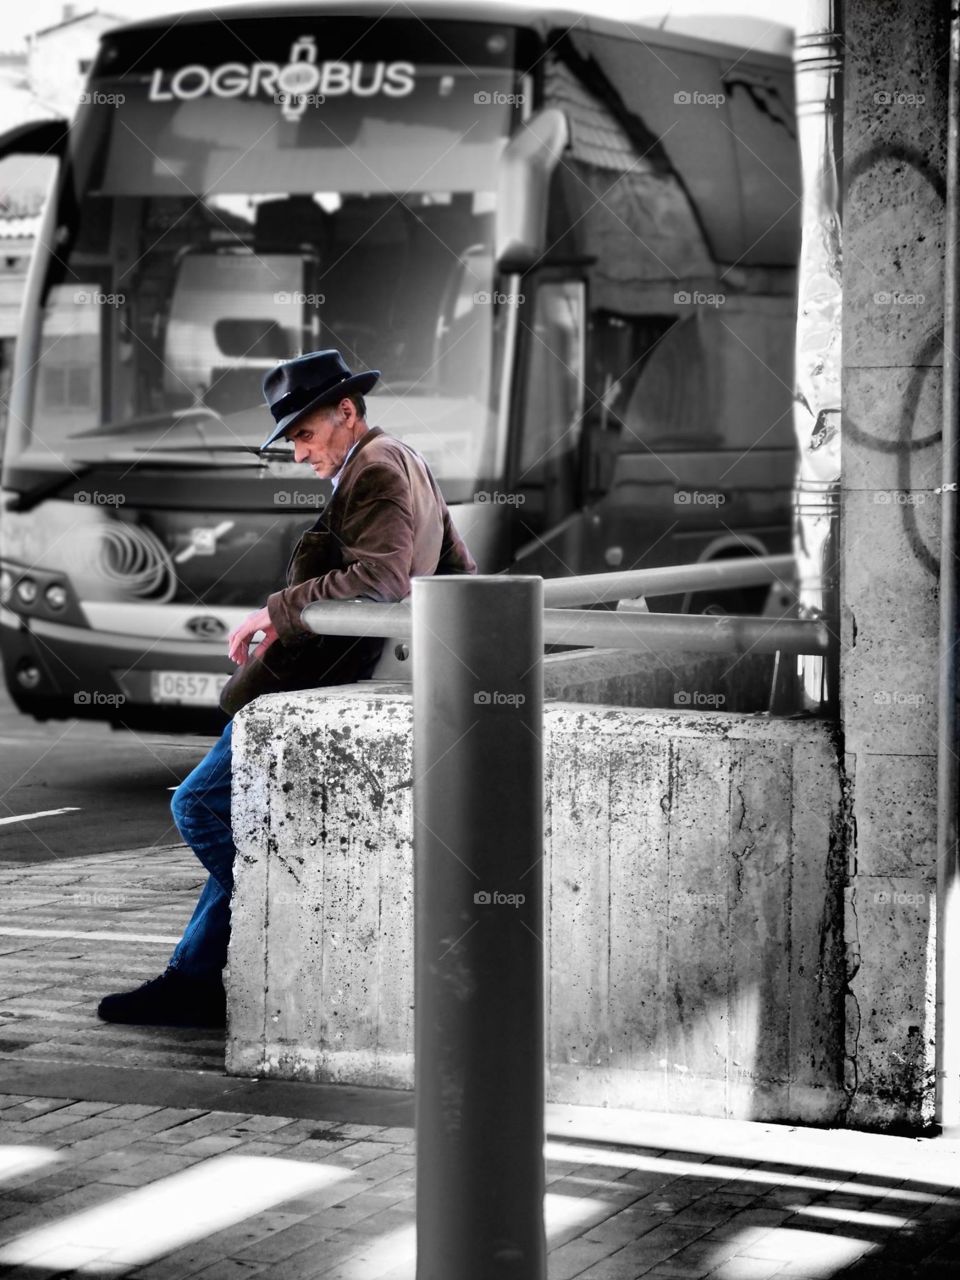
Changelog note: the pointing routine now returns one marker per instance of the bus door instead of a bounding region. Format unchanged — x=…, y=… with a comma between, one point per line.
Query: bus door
x=704, y=461
x=544, y=472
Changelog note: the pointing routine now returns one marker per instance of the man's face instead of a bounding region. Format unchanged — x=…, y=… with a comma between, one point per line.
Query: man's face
x=324, y=438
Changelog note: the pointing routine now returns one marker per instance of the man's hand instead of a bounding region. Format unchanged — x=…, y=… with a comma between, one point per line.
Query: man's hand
x=240, y=637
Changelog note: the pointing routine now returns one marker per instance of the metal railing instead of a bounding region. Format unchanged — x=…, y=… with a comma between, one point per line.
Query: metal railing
x=668, y=580
x=648, y=632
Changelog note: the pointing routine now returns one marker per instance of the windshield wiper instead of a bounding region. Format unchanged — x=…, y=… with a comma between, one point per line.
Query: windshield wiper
x=176, y=453
x=184, y=455
x=31, y=498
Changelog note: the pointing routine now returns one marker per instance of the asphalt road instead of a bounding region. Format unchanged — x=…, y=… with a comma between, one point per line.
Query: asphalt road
x=114, y=785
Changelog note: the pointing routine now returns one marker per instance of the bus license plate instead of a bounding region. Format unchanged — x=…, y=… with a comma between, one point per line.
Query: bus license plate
x=187, y=688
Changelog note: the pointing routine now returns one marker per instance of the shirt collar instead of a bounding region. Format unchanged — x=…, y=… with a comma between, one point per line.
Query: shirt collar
x=335, y=479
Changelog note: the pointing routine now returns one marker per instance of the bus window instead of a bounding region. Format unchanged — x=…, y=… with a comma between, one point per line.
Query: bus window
x=554, y=396
x=620, y=349
x=68, y=385
x=713, y=381
x=674, y=403
x=204, y=214
x=231, y=314
x=466, y=305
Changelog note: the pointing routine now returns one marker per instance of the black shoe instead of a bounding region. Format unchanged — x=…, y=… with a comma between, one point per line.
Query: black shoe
x=171, y=1000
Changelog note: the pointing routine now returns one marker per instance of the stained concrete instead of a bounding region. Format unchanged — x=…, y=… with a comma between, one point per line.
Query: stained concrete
x=621, y=678
x=893, y=246
x=693, y=889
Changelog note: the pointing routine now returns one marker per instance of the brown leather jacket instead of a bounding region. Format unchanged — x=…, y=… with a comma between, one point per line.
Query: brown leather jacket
x=386, y=523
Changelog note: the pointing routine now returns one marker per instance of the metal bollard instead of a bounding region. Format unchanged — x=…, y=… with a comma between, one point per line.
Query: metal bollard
x=478, y=844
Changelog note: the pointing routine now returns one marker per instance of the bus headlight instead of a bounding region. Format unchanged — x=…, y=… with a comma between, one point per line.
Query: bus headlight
x=37, y=593
x=28, y=674
x=26, y=591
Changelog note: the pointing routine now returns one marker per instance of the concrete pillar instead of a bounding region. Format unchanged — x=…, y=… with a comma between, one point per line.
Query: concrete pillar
x=894, y=165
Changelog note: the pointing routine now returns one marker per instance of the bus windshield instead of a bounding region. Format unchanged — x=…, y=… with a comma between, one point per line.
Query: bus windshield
x=216, y=217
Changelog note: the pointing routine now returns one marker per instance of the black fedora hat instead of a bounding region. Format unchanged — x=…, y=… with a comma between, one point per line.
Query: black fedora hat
x=298, y=386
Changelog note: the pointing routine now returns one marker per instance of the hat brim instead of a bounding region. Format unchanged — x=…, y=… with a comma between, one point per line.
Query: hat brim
x=359, y=383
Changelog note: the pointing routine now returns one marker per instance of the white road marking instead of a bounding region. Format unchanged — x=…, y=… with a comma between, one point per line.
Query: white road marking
x=97, y=936
x=43, y=813
x=204, y=743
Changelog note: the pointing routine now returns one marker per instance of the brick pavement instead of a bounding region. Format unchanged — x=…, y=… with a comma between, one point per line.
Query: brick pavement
x=164, y=1193
x=125, y=1151
x=75, y=928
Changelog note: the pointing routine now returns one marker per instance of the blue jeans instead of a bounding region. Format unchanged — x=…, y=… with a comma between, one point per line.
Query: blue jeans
x=201, y=810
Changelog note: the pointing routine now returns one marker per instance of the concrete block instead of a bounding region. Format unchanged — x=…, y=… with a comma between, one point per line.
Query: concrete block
x=890, y=1040
x=620, y=678
x=896, y=807
x=890, y=621
x=325, y=914
x=890, y=553
x=891, y=435
x=817, y=958
x=683, y=973
x=889, y=696
x=894, y=162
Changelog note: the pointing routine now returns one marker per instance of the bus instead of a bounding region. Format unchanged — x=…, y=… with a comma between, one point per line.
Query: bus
x=569, y=245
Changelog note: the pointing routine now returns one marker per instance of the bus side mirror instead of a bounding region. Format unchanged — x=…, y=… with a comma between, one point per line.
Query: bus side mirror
x=526, y=166
x=39, y=138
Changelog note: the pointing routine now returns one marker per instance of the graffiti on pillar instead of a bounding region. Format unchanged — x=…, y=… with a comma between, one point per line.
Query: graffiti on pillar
x=905, y=446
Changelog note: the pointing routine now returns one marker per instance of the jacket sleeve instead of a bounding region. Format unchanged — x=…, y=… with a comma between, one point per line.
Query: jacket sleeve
x=454, y=556
x=376, y=545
